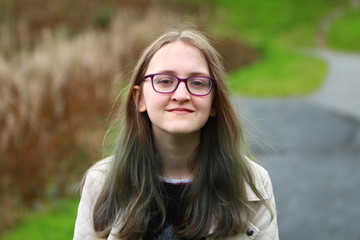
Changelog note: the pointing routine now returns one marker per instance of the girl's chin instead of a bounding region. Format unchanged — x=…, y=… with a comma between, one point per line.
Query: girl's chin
x=182, y=131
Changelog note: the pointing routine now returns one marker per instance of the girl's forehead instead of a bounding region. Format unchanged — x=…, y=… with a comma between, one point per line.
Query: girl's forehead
x=179, y=56
x=177, y=48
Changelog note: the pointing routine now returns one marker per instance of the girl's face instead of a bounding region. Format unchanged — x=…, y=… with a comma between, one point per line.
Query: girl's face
x=179, y=112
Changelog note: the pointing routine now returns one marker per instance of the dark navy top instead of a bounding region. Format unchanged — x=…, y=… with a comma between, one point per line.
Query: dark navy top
x=175, y=210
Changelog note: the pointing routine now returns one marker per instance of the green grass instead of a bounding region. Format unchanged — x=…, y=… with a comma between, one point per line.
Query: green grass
x=345, y=32
x=279, y=27
x=272, y=21
x=280, y=73
x=56, y=222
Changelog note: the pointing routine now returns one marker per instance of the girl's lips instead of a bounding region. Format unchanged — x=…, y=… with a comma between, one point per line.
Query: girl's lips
x=180, y=110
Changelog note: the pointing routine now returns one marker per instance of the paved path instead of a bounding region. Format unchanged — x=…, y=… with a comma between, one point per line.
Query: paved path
x=311, y=147
x=341, y=91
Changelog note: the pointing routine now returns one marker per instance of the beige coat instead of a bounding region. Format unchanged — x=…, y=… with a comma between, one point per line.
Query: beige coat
x=262, y=227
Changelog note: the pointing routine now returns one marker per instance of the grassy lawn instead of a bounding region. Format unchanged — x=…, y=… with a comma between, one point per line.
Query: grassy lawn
x=280, y=73
x=282, y=70
x=56, y=222
x=290, y=23
x=345, y=32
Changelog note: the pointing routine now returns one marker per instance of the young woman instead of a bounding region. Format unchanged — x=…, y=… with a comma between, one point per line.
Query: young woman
x=179, y=170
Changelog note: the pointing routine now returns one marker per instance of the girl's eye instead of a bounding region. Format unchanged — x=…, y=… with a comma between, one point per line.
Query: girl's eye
x=197, y=83
x=165, y=81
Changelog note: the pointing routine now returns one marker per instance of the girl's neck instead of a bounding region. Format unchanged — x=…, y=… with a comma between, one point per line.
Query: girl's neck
x=176, y=152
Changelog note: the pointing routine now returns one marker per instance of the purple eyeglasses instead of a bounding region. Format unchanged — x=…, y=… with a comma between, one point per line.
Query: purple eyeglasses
x=167, y=83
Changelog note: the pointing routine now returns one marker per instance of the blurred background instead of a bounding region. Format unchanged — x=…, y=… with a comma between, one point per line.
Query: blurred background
x=62, y=65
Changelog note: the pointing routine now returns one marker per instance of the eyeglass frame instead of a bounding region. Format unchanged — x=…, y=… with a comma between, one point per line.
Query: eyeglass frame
x=151, y=76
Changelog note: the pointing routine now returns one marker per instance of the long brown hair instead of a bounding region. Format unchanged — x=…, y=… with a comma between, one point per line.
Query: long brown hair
x=217, y=201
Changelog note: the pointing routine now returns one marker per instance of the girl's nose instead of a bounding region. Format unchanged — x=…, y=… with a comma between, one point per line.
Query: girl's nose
x=181, y=93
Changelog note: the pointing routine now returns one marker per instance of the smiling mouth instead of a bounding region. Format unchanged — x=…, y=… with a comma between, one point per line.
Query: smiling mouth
x=180, y=110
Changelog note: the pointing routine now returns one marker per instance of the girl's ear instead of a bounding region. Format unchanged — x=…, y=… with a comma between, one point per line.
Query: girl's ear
x=138, y=100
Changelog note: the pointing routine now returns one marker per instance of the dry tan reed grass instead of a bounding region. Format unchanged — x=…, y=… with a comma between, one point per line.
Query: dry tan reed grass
x=51, y=100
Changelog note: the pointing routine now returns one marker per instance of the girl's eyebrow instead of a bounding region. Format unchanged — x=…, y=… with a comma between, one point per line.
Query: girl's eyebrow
x=191, y=74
